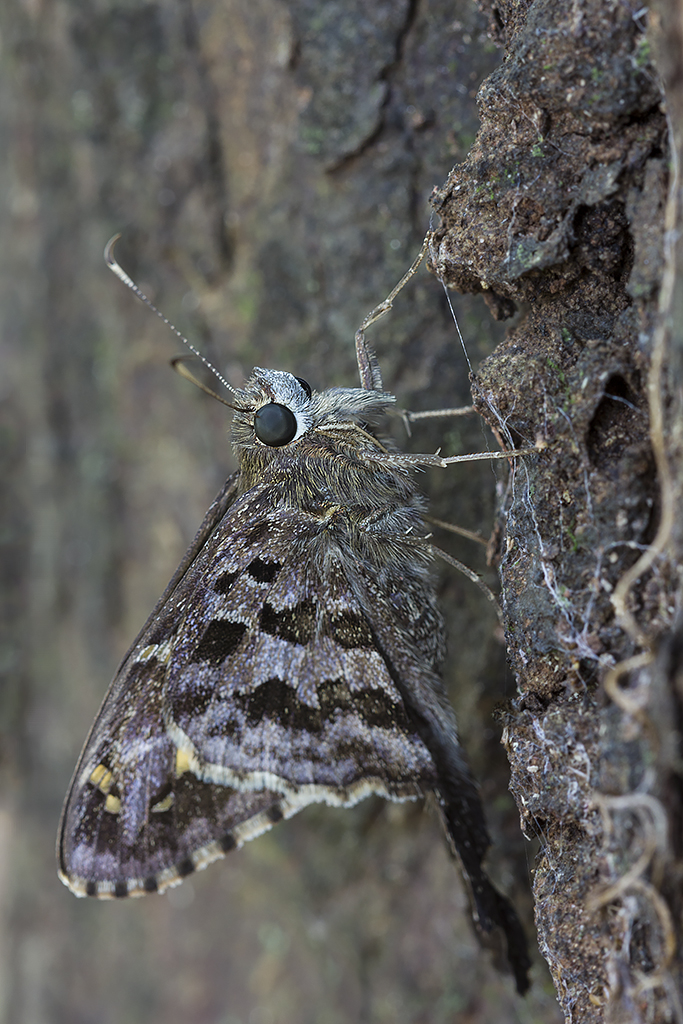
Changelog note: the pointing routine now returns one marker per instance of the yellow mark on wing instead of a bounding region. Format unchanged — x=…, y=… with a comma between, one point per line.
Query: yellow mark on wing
x=101, y=778
x=164, y=805
x=162, y=652
x=182, y=762
x=112, y=804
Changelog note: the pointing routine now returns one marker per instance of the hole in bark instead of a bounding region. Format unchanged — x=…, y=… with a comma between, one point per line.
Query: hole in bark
x=617, y=422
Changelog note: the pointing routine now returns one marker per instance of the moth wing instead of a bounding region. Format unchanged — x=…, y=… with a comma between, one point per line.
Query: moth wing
x=255, y=689
x=277, y=683
x=100, y=850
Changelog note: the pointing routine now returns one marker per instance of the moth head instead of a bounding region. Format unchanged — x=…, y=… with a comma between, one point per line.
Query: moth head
x=275, y=409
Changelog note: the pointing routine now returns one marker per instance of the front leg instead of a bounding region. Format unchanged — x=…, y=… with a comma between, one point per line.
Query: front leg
x=368, y=367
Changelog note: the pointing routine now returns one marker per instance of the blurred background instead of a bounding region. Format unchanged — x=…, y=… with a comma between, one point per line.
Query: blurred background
x=269, y=164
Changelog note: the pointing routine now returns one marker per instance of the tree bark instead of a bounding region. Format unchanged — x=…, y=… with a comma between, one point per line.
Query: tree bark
x=568, y=207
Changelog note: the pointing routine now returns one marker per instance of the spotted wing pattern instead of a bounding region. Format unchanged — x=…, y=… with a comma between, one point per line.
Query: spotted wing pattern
x=256, y=689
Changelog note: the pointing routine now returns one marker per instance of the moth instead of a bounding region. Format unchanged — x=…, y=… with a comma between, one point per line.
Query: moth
x=293, y=658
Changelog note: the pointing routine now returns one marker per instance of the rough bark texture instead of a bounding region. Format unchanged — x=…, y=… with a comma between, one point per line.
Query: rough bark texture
x=559, y=210
x=269, y=165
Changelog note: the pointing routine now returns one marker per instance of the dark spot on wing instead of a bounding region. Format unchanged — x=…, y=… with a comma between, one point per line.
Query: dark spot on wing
x=162, y=631
x=350, y=631
x=274, y=814
x=148, y=666
x=256, y=533
x=150, y=884
x=221, y=639
x=297, y=625
x=90, y=889
x=185, y=867
x=120, y=890
x=190, y=699
x=275, y=701
x=373, y=706
x=263, y=572
x=227, y=842
x=376, y=709
x=224, y=582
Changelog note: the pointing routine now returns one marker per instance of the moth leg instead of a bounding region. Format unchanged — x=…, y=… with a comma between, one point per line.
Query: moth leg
x=408, y=459
x=409, y=417
x=441, y=524
x=472, y=576
x=368, y=367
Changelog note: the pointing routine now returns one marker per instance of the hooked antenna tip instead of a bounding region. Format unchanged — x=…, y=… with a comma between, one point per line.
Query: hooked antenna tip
x=128, y=281
x=109, y=250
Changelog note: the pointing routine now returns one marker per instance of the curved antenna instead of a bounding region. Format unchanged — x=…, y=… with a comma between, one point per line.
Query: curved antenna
x=123, y=276
x=178, y=364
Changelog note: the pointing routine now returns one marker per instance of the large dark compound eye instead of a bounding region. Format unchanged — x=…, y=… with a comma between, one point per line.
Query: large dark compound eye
x=305, y=385
x=275, y=425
